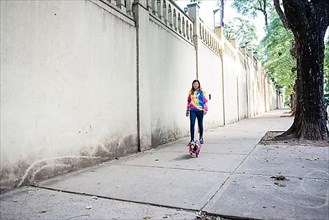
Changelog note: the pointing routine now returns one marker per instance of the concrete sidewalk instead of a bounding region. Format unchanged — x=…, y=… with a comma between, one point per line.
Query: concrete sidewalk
x=231, y=177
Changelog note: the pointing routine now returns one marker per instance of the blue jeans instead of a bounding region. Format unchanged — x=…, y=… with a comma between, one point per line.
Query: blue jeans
x=193, y=116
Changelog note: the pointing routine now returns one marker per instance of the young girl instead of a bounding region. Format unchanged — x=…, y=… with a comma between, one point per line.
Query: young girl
x=196, y=108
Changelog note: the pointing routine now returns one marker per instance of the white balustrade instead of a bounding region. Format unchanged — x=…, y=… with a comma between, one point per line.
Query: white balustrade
x=172, y=17
x=208, y=37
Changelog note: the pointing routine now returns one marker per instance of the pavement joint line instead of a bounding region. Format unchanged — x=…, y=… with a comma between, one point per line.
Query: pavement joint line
x=223, y=153
x=292, y=157
x=171, y=168
x=115, y=199
x=247, y=155
x=231, y=173
x=144, y=203
x=206, y=152
x=267, y=175
x=233, y=217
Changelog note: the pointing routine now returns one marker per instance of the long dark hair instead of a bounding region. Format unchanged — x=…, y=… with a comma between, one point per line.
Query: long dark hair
x=192, y=89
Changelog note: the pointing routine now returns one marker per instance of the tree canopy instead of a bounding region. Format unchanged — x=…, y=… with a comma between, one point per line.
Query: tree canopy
x=251, y=7
x=241, y=29
x=275, y=54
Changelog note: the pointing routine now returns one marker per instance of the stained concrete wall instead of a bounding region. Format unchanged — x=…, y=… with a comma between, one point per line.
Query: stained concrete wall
x=170, y=74
x=242, y=86
x=230, y=84
x=68, y=87
x=166, y=69
x=87, y=81
x=210, y=75
x=273, y=100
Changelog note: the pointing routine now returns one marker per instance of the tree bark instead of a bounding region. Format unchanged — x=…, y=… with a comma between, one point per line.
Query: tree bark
x=282, y=16
x=293, y=100
x=265, y=14
x=308, y=21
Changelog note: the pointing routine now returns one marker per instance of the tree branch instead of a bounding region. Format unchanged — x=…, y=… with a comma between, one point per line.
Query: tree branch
x=260, y=4
x=281, y=13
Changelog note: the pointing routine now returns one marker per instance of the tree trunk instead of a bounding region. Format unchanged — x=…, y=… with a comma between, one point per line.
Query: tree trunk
x=308, y=21
x=293, y=100
x=265, y=14
x=311, y=121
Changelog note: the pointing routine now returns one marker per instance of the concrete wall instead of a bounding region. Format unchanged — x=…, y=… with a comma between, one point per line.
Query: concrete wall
x=210, y=75
x=272, y=99
x=68, y=91
x=230, y=84
x=242, y=86
x=166, y=69
x=170, y=73
x=87, y=81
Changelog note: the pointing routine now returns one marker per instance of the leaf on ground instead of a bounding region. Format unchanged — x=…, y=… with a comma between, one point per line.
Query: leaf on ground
x=279, y=177
x=312, y=159
x=88, y=207
x=280, y=184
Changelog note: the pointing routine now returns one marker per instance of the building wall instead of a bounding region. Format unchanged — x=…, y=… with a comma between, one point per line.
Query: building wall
x=68, y=86
x=166, y=69
x=88, y=81
x=171, y=73
x=242, y=86
x=210, y=75
x=230, y=83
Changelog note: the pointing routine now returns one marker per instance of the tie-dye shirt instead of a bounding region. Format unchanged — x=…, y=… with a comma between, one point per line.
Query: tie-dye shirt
x=197, y=101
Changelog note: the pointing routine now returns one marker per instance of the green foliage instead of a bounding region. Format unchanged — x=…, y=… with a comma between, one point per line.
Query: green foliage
x=326, y=67
x=246, y=7
x=276, y=55
x=251, y=7
x=242, y=30
x=275, y=49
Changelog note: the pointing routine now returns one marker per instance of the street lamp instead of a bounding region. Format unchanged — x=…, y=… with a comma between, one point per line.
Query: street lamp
x=220, y=5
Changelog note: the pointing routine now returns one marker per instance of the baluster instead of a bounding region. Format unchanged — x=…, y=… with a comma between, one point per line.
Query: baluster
x=129, y=6
x=183, y=26
x=149, y=5
x=121, y=5
x=159, y=9
x=113, y=2
x=179, y=24
x=191, y=32
x=165, y=12
x=170, y=15
x=154, y=7
x=175, y=20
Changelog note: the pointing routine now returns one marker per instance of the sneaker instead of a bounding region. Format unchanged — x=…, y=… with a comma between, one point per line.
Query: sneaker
x=201, y=141
x=189, y=143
